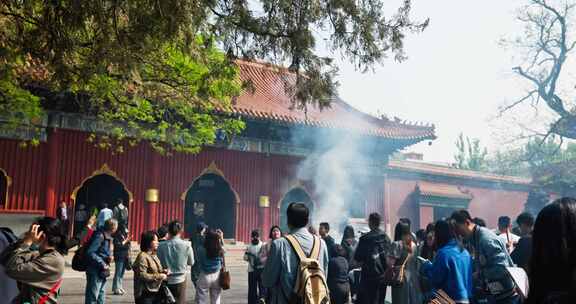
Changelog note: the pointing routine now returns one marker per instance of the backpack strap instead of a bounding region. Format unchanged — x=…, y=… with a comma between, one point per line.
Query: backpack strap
x=296, y=246
x=53, y=290
x=315, y=253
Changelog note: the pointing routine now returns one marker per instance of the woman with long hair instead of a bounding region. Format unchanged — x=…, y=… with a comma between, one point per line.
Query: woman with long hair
x=428, y=247
x=552, y=268
x=451, y=270
x=349, y=244
x=211, y=257
x=38, y=273
x=121, y=259
x=148, y=271
x=405, y=253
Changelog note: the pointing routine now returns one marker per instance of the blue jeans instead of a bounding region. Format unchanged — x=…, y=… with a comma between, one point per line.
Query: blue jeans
x=95, y=289
x=118, y=275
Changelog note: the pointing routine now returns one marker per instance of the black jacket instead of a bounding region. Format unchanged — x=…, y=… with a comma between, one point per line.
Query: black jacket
x=367, y=243
x=337, y=271
x=330, y=243
x=120, y=250
x=522, y=252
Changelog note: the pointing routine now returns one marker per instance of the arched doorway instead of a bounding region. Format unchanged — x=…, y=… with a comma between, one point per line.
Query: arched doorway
x=296, y=195
x=4, y=184
x=102, y=187
x=211, y=200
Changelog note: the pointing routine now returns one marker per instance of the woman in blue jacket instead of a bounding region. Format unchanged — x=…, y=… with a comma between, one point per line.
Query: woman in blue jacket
x=451, y=270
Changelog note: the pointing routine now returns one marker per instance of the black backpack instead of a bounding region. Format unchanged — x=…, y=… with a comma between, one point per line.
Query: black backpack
x=80, y=260
x=6, y=253
x=374, y=268
x=9, y=234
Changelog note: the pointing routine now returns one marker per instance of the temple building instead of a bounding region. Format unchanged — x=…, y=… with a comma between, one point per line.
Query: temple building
x=245, y=182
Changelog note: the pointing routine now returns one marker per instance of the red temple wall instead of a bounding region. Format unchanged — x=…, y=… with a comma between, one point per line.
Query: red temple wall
x=401, y=203
x=48, y=173
x=26, y=169
x=487, y=203
x=74, y=159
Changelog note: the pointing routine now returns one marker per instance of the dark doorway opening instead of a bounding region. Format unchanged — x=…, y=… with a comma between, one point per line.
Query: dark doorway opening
x=100, y=189
x=212, y=201
x=443, y=212
x=3, y=189
x=296, y=195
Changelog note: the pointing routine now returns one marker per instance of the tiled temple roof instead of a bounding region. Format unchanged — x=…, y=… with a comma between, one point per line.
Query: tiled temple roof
x=442, y=190
x=268, y=100
x=433, y=169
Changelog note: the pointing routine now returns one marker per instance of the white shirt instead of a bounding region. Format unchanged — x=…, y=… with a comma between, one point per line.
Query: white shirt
x=254, y=253
x=514, y=238
x=64, y=213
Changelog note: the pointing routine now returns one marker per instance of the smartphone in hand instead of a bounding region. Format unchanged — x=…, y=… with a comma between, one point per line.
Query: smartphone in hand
x=421, y=259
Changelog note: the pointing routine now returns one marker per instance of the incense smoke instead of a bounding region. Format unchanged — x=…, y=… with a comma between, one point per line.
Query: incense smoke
x=334, y=169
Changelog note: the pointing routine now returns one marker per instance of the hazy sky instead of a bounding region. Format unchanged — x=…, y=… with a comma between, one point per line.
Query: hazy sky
x=456, y=76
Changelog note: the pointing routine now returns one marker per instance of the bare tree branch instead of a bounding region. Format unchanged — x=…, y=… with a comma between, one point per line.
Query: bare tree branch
x=521, y=72
x=510, y=106
x=549, y=51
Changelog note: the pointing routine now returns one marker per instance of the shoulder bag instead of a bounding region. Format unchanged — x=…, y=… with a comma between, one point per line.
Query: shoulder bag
x=224, y=277
x=394, y=276
x=440, y=297
x=166, y=294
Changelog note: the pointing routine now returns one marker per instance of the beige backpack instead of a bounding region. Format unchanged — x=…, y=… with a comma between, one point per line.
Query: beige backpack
x=310, y=287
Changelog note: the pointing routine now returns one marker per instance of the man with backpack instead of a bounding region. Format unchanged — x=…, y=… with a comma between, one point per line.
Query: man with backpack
x=98, y=257
x=371, y=253
x=297, y=265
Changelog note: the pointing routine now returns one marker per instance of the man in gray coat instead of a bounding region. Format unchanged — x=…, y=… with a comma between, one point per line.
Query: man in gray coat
x=281, y=269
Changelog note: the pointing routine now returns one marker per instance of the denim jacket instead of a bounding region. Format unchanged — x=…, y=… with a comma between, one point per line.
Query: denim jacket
x=490, y=261
x=282, y=265
x=99, y=252
x=176, y=255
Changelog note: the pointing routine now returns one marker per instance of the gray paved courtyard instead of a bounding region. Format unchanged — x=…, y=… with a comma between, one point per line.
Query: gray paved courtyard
x=74, y=283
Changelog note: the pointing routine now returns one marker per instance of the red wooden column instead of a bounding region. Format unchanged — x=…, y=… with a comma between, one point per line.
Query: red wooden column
x=264, y=199
x=426, y=216
x=386, y=215
x=153, y=192
x=52, y=172
x=264, y=216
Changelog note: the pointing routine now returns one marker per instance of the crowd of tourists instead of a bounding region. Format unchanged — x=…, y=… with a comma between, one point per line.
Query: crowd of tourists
x=454, y=260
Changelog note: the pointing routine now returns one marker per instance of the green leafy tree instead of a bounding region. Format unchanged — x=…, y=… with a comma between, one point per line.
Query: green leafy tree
x=549, y=162
x=140, y=67
x=536, y=200
x=508, y=162
x=470, y=155
x=164, y=71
